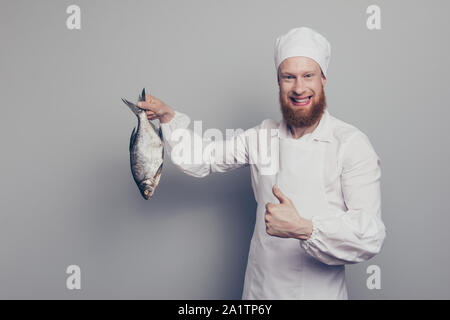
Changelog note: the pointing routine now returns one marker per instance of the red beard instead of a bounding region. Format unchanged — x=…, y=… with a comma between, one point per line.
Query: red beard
x=301, y=118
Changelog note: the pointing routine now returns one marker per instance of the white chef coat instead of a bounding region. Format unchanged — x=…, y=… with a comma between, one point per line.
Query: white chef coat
x=332, y=175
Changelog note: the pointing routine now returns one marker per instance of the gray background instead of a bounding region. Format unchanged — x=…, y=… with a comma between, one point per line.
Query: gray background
x=67, y=195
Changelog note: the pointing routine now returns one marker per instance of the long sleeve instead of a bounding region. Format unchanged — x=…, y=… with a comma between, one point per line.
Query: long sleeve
x=355, y=235
x=199, y=156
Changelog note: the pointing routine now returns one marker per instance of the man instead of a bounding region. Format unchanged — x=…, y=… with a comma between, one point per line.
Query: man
x=322, y=208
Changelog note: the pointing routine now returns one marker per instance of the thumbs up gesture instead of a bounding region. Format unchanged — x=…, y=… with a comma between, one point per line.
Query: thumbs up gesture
x=283, y=220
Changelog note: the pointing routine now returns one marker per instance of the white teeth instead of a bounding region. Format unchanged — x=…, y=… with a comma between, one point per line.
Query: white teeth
x=302, y=100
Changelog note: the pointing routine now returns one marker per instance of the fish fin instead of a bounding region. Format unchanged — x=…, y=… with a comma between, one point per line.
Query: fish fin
x=158, y=174
x=132, y=138
x=132, y=106
x=157, y=128
x=160, y=132
x=160, y=169
x=153, y=125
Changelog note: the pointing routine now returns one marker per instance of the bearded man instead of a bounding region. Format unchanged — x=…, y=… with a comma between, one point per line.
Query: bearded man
x=321, y=208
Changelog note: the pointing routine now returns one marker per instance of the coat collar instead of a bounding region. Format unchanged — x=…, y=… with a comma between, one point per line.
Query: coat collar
x=321, y=133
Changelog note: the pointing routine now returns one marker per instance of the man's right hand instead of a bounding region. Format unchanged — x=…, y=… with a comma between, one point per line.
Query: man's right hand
x=156, y=109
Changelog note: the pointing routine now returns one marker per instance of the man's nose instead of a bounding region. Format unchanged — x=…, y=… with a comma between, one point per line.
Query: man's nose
x=299, y=87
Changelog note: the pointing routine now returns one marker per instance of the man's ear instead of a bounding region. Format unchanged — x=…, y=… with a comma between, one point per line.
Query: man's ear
x=324, y=80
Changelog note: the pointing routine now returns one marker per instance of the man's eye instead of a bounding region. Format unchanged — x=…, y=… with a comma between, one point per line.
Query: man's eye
x=288, y=77
x=309, y=75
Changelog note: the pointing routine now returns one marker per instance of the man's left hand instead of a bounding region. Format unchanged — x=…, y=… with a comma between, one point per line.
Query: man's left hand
x=283, y=220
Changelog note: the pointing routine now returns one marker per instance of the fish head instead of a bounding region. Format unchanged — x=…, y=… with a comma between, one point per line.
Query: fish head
x=147, y=188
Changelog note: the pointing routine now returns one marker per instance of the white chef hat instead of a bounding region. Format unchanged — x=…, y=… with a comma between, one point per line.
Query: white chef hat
x=304, y=42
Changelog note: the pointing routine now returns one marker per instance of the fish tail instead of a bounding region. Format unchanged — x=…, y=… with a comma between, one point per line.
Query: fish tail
x=132, y=139
x=142, y=96
x=134, y=108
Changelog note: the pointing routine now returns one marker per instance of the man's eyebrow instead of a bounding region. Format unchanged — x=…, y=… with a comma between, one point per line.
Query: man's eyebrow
x=290, y=73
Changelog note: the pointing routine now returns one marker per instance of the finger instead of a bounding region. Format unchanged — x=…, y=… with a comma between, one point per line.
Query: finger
x=149, y=113
x=142, y=104
x=148, y=98
x=269, y=207
x=145, y=105
x=279, y=195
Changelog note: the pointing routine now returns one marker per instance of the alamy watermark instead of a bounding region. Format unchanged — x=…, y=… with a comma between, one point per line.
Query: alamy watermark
x=254, y=146
x=73, y=281
x=374, y=280
x=73, y=21
x=374, y=20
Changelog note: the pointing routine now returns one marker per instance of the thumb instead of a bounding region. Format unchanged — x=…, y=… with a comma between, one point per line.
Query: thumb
x=280, y=196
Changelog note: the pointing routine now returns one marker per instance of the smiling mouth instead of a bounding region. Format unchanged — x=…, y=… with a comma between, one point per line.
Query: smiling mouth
x=302, y=101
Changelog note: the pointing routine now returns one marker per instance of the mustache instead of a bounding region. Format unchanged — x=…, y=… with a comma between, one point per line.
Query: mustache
x=300, y=118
